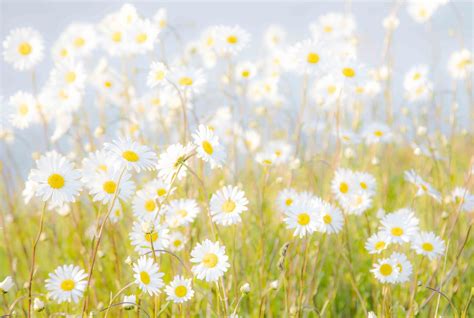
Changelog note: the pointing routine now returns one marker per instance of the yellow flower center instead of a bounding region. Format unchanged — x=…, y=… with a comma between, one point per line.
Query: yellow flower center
x=79, y=42
x=348, y=72
x=109, y=186
x=378, y=133
x=183, y=213
x=63, y=52
x=185, y=81
x=210, y=260
x=228, y=206
x=160, y=75
x=327, y=219
x=23, y=109
x=416, y=76
x=108, y=84
x=343, y=187
x=24, y=48
x=67, y=285
x=386, y=269
x=245, y=73
x=150, y=205
x=303, y=218
x=327, y=29
x=207, y=147
x=363, y=185
x=427, y=246
x=117, y=37
x=181, y=291
x=130, y=155
x=397, y=231
x=312, y=58
x=161, y=192
x=102, y=167
x=141, y=38
x=145, y=278
x=379, y=245
x=151, y=237
x=232, y=39
x=288, y=202
x=56, y=181
x=70, y=77
x=177, y=243
x=331, y=89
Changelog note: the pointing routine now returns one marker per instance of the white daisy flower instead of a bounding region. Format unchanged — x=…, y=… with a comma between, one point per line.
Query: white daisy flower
x=343, y=184
x=179, y=290
x=116, y=213
x=210, y=261
x=170, y=163
x=366, y=182
x=356, y=202
x=132, y=154
x=330, y=217
x=245, y=70
x=188, y=80
x=181, y=212
x=227, y=204
x=110, y=183
x=309, y=57
x=161, y=188
x=377, y=133
x=161, y=18
x=377, y=243
x=428, y=244
x=80, y=39
x=148, y=276
x=401, y=226
x=23, y=48
x=230, y=40
x=302, y=216
x=66, y=284
x=463, y=198
x=404, y=267
x=386, y=270
x=23, y=110
x=157, y=74
x=95, y=163
x=286, y=198
x=327, y=91
x=460, y=64
x=143, y=36
x=208, y=146
x=423, y=186
x=142, y=239
x=6, y=284
x=57, y=180
x=144, y=205
x=69, y=73
x=274, y=36
x=129, y=302
x=333, y=26
x=177, y=241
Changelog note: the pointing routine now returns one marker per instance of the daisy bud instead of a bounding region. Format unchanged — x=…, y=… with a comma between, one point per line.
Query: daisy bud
x=147, y=227
x=349, y=153
x=245, y=289
x=417, y=151
x=99, y=131
x=130, y=302
x=274, y=284
x=375, y=161
x=293, y=310
x=35, y=155
x=421, y=131
x=444, y=215
x=295, y=164
x=6, y=284
x=128, y=260
x=371, y=314
x=391, y=22
x=38, y=305
x=88, y=147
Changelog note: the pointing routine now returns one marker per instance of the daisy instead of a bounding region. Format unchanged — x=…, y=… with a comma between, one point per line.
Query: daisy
x=377, y=243
x=157, y=74
x=423, y=186
x=181, y=212
x=23, y=110
x=230, y=40
x=56, y=179
x=23, y=48
x=356, y=202
x=460, y=64
x=303, y=216
x=66, y=284
x=210, y=261
x=330, y=218
x=179, y=290
x=327, y=91
x=208, y=146
x=129, y=302
x=96, y=162
x=366, y=182
x=132, y=154
x=148, y=276
x=161, y=188
x=187, y=80
x=170, y=163
x=333, y=26
x=111, y=183
x=281, y=149
x=403, y=265
x=142, y=238
x=428, y=244
x=463, y=198
x=69, y=74
x=177, y=241
x=116, y=213
x=274, y=36
x=421, y=10
x=386, y=270
x=286, y=198
x=161, y=18
x=6, y=285
x=227, y=204
x=377, y=133
x=401, y=226
x=144, y=36
x=80, y=38
x=309, y=57
x=343, y=184
x=245, y=70
x=144, y=205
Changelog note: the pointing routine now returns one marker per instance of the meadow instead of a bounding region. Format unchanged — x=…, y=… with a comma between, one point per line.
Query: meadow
x=202, y=182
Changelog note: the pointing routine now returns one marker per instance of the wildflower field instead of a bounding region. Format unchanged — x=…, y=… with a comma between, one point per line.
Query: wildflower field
x=161, y=169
